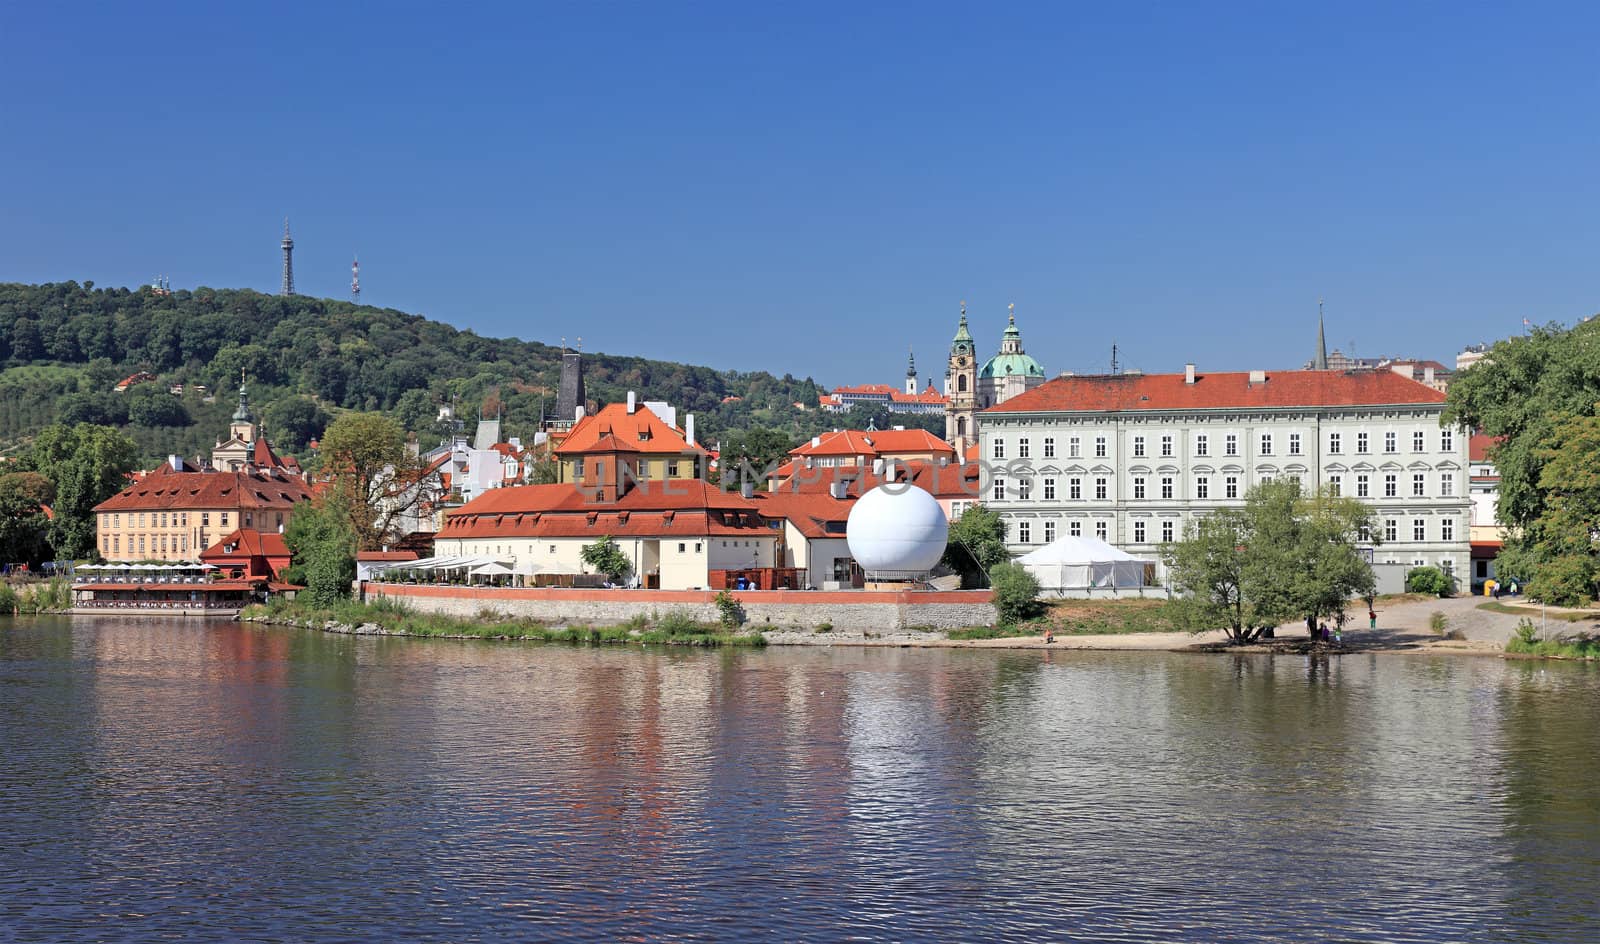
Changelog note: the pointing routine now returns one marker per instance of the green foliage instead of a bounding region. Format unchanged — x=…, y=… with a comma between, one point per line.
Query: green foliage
x=85, y=465
x=1016, y=593
x=344, y=355
x=1527, y=631
x=24, y=529
x=1437, y=622
x=1561, y=647
x=977, y=543
x=606, y=558
x=323, y=548
x=1283, y=556
x=1430, y=580
x=365, y=455
x=544, y=472
x=293, y=422
x=752, y=454
x=8, y=600
x=729, y=612
x=50, y=596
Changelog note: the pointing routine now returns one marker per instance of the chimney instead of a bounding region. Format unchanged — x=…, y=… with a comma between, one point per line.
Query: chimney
x=176, y=462
x=877, y=466
x=816, y=441
x=1408, y=371
x=1258, y=376
x=747, y=489
x=633, y=402
x=577, y=415
x=688, y=429
x=837, y=489
x=1427, y=376
x=1188, y=374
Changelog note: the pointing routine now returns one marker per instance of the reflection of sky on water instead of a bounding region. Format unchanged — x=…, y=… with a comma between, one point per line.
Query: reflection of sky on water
x=275, y=784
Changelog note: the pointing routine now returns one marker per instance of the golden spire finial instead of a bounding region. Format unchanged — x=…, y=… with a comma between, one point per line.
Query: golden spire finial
x=1011, y=309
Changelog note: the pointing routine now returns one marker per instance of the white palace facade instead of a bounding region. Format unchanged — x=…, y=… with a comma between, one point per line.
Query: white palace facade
x=1132, y=458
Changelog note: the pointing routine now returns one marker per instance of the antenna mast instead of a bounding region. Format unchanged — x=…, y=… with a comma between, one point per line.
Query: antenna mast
x=355, y=280
x=1114, y=369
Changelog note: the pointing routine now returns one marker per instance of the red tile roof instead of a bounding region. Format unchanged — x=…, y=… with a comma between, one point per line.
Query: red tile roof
x=376, y=556
x=882, y=442
x=1220, y=391
x=1480, y=445
x=810, y=512
x=614, y=429
x=164, y=489
x=246, y=543
x=947, y=481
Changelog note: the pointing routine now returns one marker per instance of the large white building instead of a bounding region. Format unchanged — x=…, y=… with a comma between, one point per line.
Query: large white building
x=1132, y=458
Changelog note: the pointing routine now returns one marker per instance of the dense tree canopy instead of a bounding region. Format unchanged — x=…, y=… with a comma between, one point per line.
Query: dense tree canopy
x=1540, y=394
x=23, y=524
x=365, y=455
x=85, y=465
x=323, y=547
x=976, y=544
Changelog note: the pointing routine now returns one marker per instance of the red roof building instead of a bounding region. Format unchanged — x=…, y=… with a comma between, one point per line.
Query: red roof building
x=247, y=554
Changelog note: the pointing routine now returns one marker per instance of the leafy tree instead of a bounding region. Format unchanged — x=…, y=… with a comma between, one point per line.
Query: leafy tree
x=85, y=464
x=1282, y=556
x=1016, y=592
x=23, y=525
x=366, y=455
x=977, y=543
x=544, y=472
x=294, y=421
x=1429, y=580
x=415, y=410
x=322, y=543
x=152, y=406
x=1561, y=547
x=98, y=407
x=606, y=558
x=752, y=454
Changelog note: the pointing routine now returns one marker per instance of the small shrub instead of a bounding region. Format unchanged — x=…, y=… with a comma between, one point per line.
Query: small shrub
x=1429, y=580
x=679, y=623
x=1016, y=593
x=8, y=600
x=730, y=613
x=824, y=627
x=1437, y=622
x=1527, y=632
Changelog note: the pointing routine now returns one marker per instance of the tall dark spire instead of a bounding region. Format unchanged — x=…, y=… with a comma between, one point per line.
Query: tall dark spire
x=1321, y=363
x=288, y=261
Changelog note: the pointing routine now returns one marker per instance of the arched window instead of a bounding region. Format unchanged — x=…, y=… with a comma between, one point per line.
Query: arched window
x=961, y=384
x=961, y=426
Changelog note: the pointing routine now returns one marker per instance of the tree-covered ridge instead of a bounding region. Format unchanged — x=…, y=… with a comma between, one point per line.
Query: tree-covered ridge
x=65, y=345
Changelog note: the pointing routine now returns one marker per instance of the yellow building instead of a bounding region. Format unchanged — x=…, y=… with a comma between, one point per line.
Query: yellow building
x=627, y=442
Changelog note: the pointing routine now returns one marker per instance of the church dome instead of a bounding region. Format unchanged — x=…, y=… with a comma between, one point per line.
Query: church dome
x=1011, y=365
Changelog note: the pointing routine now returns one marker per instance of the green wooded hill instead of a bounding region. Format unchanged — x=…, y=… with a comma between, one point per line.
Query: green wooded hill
x=64, y=347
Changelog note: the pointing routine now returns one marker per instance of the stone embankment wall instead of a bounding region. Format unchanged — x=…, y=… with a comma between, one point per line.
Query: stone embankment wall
x=846, y=611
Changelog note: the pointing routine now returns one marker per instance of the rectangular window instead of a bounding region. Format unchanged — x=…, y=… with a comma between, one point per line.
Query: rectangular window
x=1072, y=447
x=1024, y=489
x=672, y=468
x=1335, y=485
x=1075, y=488
x=1166, y=531
x=1363, y=487
x=1049, y=489
x=1138, y=487
x=141, y=544
x=224, y=517
x=1202, y=487
x=249, y=518
x=1447, y=440
x=1200, y=445
x=1049, y=447
x=1266, y=444
x=1166, y=486
x=1099, y=447
x=1024, y=448
x=1230, y=445
x=1075, y=528
x=1419, y=485
x=997, y=448
x=697, y=547
x=1363, y=533
x=998, y=492
x=1391, y=485
x=1419, y=441
x=1361, y=442
x=1419, y=529
x=577, y=469
x=1049, y=531
x=1447, y=529
x=1100, y=530
x=681, y=547
x=1100, y=489
x=1024, y=532
x=1391, y=442
x=116, y=544
x=1230, y=487
x=1447, y=484
x=1138, y=532
x=1138, y=447
x=1166, y=445
x=1391, y=531
x=1334, y=444
x=1294, y=444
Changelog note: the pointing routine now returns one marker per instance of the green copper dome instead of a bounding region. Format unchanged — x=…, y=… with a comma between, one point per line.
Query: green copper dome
x=1011, y=365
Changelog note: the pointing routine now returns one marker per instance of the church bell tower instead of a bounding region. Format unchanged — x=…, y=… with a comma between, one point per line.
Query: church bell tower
x=961, y=391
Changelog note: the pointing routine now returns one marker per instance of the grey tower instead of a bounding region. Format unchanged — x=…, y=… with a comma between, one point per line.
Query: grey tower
x=570, y=396
x=1320, y=362
x=288, y=261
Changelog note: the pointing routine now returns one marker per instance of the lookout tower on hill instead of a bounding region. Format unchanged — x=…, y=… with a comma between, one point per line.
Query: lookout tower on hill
x=288, y=260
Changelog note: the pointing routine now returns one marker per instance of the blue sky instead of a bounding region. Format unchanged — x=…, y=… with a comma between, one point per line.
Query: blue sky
x=814, y=188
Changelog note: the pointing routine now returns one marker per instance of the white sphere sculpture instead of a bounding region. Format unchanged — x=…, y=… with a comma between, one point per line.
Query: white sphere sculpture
x=897, y=530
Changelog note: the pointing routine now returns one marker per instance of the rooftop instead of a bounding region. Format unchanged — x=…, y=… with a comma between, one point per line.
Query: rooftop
x=1220, y=391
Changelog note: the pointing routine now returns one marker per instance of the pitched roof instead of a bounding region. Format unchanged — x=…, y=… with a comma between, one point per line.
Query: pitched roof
x=949, y=480
x=374, y=556
x=614, y=429
x=1480, y=445
x=655, y=495
x=1220, y=391
x=855, y=442
x=246, y=543
x=810, y=512
x=166, y=490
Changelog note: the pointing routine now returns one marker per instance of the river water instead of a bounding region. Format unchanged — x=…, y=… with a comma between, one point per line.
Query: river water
x=186, y=780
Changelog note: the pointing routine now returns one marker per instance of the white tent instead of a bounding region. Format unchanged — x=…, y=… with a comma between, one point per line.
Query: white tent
x=1076, y=563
